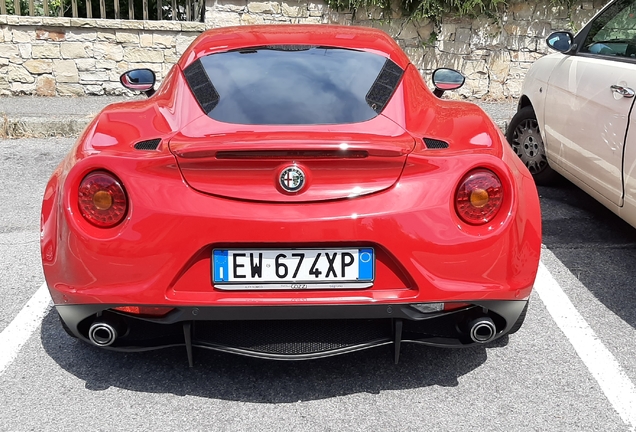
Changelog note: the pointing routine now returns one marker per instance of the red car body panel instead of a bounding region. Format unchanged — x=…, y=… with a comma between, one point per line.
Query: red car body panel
x=184, y=200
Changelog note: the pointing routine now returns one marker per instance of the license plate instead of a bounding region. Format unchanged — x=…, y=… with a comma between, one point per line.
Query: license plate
x=294, y=269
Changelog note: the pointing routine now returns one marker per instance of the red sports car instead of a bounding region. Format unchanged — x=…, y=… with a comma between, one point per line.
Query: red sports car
x=291, y=192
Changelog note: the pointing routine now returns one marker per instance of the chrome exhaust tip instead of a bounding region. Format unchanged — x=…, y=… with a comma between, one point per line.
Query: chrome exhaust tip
x=482, y=330
x=102, y=334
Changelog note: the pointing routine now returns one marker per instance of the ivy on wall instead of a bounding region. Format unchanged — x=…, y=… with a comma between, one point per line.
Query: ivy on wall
x=422, y=9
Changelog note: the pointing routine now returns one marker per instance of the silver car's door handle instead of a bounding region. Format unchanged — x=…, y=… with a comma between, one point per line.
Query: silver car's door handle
x=623, y=91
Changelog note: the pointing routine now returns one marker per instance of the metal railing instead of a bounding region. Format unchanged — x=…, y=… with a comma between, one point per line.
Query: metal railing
x=176, y=10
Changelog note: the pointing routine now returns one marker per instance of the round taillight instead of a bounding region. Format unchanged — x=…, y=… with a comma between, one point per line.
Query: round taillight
x=102, y=200
x=479, y=197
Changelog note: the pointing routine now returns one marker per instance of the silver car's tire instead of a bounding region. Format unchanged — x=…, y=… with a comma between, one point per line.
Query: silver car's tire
x=524, y=137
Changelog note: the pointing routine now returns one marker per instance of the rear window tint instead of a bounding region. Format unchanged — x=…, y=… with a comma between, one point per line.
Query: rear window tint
x=292, y=84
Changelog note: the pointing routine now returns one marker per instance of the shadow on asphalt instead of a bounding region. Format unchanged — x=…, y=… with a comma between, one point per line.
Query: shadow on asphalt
x=596, y=246
x=230, y=377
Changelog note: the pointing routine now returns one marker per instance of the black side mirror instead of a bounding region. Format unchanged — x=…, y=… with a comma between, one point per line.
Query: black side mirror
x=446, y=79
x=142, y=80
x=562, y=41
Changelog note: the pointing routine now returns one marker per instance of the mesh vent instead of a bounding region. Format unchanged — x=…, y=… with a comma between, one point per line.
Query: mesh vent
x=292, y=337
x=435, y=144
x=200, y=84
x=148, y=144
x=384, y=86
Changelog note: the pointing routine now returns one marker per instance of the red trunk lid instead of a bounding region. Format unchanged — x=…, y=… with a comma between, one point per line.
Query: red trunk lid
x=251, y=165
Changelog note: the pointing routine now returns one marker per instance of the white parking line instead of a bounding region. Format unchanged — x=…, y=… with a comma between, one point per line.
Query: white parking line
x=616, y=385
x=18, y=332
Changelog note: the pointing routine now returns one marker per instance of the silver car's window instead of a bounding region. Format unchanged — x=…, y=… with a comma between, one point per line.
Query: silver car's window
x=293, y=84
x=613, y=33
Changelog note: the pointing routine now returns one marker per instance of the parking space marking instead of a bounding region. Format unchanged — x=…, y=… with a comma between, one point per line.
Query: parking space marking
x=616, y=385
x=18, y=332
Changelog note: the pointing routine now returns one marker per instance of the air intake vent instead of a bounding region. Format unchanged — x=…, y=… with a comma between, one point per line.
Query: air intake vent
x=435, y=144
x=200, y=84
x=148, y=144
x=384, y=86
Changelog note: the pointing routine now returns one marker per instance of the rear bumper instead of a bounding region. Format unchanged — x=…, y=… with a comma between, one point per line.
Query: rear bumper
x=292, y=332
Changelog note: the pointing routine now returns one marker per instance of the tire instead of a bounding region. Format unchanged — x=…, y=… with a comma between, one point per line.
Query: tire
x=515, y=328
x=524, y=137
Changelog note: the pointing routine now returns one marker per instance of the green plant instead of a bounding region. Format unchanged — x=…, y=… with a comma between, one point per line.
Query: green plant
x=432, y=10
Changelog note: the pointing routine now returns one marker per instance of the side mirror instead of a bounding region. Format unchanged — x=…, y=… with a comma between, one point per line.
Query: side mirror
x=142, y=80
x=446, y=79
x=562, y=41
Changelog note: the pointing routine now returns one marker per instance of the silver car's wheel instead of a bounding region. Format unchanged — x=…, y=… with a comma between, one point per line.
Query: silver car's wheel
x=524, y=137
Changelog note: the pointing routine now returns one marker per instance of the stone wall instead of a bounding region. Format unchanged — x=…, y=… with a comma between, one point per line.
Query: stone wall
x=64, y=56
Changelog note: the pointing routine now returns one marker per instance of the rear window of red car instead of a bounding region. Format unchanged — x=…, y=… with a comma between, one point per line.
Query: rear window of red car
x=293, y=84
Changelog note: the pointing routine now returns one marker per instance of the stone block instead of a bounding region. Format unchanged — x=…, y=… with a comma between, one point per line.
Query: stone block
x=9, y=52
x=65, y=71
x=70, y=89
x=163, y=25
x=145, y=40
x=249, y=19
x=463, y=35
x=140, y=55
x=23, y=35
x=3, y=62
x=13, y=20
x=171, y=56
x=30, y=20
x=93, y=76
x=294, y=10
x=105, y=64
x=164, y=40
x=522, y=11
x=56, y=22
x=184, y=41
x=18, y=73
x=84, y=22
x=94, y=90
x=49, y=50
x=123, y=24
x=447, y=32
x=76, y=50
x=409, y=30
x=3, y=19
x=127, y=37
x=38, y=67
x=115, y=89
x=106, y=35
x=263, y=7
x=540, y=29
x=230, y=6
x=87, y=64
x=81, y=35
x=416, y=55
x=45, y=86
x=18, y=88
x=308, y=20
x=193, y=27
x=107, y=51
x=454, y=47
x=55, y=35
x=25, y=50
x=226, y=19
x=499, y=65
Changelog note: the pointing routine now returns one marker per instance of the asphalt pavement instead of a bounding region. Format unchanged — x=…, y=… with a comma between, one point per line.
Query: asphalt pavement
x=42, y=117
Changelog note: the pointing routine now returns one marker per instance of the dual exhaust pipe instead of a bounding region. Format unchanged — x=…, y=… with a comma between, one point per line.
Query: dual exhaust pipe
x=103, y=333
x=482, y=330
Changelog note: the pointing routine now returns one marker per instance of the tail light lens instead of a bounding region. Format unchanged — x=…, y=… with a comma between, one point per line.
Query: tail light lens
x=479, y=197
x=102, y=199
